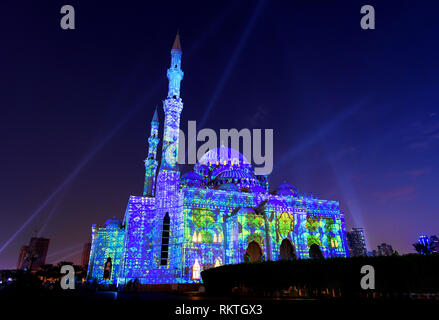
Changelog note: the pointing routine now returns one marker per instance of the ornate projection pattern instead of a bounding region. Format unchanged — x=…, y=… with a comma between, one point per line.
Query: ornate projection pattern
x=173, y=108
x=219, y=213
x=107, y=245
x=150, y=161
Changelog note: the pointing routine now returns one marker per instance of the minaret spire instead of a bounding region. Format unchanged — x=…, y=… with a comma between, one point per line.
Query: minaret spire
x=175, y=74
x=168, y=201
x=155, y=117
x=151, y=161
x=173, y=105
x=176, y=45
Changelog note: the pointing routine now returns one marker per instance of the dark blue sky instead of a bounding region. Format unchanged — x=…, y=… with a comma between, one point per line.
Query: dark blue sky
x=355, y=113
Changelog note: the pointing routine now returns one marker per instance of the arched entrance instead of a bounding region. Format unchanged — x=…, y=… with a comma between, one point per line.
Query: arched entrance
x=315, y=252
x=107, y=269
x=253, y=253
x=287, y=251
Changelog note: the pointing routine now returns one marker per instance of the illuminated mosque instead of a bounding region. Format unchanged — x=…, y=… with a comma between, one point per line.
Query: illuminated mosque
x=219, y=213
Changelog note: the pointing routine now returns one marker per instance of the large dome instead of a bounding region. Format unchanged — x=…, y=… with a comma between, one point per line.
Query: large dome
x=221, y=168
x=222, y=155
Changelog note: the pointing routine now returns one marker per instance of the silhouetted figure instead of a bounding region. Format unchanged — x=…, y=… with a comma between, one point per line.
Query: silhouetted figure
x=107, y=269
x=315, y=252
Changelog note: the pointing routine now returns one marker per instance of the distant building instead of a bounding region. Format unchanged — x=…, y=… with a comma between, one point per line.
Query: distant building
x=424, y=240
x=22, y=256
x=34, y=255
x=85, y=254
x=385, y=249
x=431, y=242
x=435, y=241
x=356, y=242
x=372, y=253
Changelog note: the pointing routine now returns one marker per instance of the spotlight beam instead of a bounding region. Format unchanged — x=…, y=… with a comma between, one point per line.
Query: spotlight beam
x=116, y=129
x=320, y=134
x=232, y=62
x=70, y=255
x=49, y=216
x=79, y=167
x=56, y=253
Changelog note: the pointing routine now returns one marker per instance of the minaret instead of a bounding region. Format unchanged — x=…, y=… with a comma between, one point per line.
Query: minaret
x=168, y=232
x=173, y=105
x=150, y=161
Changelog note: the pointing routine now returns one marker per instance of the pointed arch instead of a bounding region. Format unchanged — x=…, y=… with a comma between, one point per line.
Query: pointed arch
x=196, y=270
x=165, y=240
x=315, y=252
x=287, y=250
x=254, y=252
x=107, y=269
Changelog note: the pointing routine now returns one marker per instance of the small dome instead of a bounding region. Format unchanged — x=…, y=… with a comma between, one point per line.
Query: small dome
x=191, y=176
x=286, y=189
x=113, y=223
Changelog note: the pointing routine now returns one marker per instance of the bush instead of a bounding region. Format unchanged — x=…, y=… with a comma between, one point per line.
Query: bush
x=393, y=274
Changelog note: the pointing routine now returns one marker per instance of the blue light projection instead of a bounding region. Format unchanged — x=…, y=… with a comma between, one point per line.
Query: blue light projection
x=219, y=213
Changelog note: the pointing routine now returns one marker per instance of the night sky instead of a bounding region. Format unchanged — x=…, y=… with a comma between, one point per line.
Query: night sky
x=355, y=113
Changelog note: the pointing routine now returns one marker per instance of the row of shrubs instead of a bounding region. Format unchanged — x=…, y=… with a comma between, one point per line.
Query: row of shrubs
x=394, y=274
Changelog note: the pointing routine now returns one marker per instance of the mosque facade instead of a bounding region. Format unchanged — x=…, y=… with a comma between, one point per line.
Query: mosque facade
x=219, y=213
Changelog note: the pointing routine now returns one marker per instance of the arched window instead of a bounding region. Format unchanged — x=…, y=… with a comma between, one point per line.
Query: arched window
x=334, y=243
x=315, y=252
x=253, y=253
x=215, y=239
x=107, y=269
x=195, y=237
x=196, y=270
x=220, y=238
x=287, y=250
x=199, y=237
x=217, y=262
x=165, y=240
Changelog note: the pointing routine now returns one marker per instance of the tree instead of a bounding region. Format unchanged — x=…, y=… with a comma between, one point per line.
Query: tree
x=424, y=248
x=45, y=271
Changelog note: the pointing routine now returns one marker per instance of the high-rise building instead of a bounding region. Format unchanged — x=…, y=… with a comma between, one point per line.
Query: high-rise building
x=22, y=256
x=34, y=255
x=431, y=242
x=372, y=253
x=85, y=254
x=424, y=240
x=356, y=242
x=385, y=249
x=435, y=243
